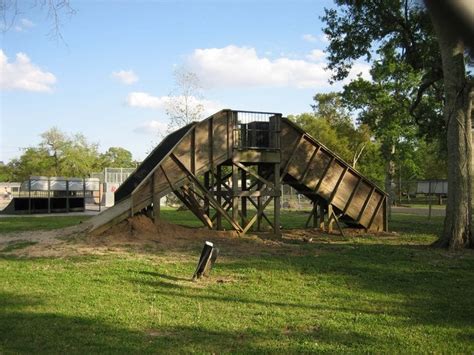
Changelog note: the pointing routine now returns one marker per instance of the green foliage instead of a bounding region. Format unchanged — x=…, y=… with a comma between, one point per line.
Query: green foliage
x=117, y=157
x=59, y=154
x=402, y=104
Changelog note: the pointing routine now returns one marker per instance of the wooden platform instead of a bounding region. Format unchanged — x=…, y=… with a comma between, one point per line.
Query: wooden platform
x=207, y=167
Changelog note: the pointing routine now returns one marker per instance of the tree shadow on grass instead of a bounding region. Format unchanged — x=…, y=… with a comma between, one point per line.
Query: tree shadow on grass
x=419, y=285
x=25, y=330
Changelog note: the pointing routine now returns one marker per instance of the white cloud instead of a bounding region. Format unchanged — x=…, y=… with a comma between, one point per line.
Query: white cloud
x=359, y=68
x=316, y=55
x=24, y=75
x=152, y=127
x=23, y=25
x=234, y=66
x=126, y=77
x=309, y=38
x=145, y=100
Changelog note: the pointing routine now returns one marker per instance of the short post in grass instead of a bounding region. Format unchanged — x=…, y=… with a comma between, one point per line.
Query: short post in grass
x=206, y=260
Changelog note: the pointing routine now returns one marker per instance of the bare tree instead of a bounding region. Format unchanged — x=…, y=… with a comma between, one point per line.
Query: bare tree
x=184, y=104
x=11, y=10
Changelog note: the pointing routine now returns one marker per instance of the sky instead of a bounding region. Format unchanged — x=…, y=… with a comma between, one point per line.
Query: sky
x=112, y=75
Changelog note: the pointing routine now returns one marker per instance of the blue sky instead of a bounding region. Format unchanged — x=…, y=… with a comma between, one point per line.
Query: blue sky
x=250, y=55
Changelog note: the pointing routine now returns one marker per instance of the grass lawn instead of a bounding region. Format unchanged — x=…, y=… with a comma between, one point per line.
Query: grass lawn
x=356, y=294
x=19, y=224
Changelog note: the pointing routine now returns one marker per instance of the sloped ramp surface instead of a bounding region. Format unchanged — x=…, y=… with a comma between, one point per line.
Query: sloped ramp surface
x=317, y=172
x=151, y=161
x=306, y=164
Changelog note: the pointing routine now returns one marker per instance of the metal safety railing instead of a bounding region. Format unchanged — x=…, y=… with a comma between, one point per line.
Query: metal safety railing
x=256, y=130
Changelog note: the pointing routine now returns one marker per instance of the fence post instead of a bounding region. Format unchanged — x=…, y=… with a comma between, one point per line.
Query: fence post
x=429, y=199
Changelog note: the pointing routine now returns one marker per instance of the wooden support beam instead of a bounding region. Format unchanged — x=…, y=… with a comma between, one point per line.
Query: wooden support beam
x=254, y=218
x=188, y=192
x=366, y=202
x=377, y=209
x=326, y=169
x=306, y=170
x=235, y=189
x=186, y=198
x=276, y=200
x=263, y=212
x=219, y=197
x=264, y=192
x=257, y=176
x=321, y=214
x=212, y=201
x=311, y=215
x=338, y=183
x=290, y=158
x=243, y=199
x=259, y=199
x=207, y=185
x=351, y=197
x=329, y=223
x=336, y=219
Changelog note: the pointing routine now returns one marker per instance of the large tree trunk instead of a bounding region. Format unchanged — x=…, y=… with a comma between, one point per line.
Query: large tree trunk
x=457, y=113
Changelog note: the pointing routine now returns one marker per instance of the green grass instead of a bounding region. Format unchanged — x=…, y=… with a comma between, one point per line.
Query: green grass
x=387, y=294
x=20, y=224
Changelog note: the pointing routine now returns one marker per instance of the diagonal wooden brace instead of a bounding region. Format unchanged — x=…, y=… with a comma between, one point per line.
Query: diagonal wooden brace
x=206, y=193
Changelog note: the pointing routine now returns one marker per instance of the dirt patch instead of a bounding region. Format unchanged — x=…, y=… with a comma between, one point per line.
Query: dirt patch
x=141, y=235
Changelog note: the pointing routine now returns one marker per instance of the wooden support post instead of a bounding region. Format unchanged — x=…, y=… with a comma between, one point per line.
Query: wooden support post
x=312, y=215
x=83, y=194
x=259, y=200
x=330, y=220
x=49, y=196
x=219, y=197
x=276, y=200
x=67, y=195
x=192, y=178
x=321, y=214
x=29, y=196
x=235, y=191
x=243, y=181
x=208, y=186
x=315, y=215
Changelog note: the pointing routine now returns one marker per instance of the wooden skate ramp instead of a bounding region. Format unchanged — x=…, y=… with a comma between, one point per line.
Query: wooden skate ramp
x=187, y=154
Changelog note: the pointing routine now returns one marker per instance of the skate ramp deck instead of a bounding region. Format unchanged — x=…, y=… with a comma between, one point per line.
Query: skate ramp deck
x=306, y=164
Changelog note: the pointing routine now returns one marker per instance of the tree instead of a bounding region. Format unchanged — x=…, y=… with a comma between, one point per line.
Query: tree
x=400, y=32
x=55, y=142
x=459, y=95
x=184, y=106
x=330, y=107
x=117, y=157
x=10, y=10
